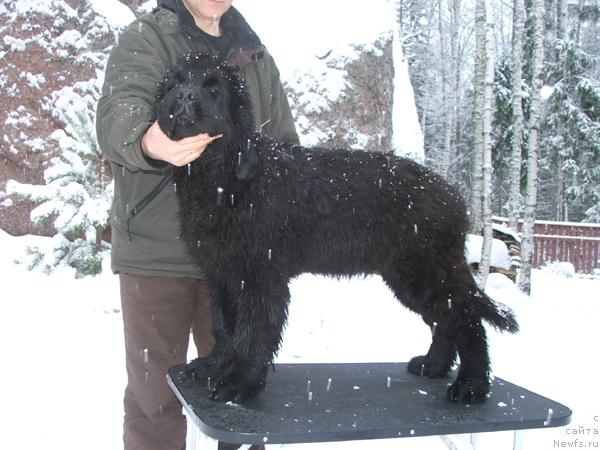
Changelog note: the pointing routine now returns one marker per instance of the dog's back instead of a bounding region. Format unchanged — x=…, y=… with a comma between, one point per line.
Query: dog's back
x=343, y=212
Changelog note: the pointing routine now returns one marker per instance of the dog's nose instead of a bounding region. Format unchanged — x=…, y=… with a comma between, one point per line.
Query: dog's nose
x=186, y=95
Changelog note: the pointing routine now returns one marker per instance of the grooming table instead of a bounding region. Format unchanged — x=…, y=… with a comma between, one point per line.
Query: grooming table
x=344, y=402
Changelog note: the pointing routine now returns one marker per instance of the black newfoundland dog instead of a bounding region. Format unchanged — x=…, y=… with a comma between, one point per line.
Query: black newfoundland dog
x=256, y=213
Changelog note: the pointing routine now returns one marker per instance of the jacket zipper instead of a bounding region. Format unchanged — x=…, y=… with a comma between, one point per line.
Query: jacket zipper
x=139, y=207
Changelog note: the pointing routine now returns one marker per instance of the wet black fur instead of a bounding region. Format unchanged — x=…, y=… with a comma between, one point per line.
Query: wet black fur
x=256, y=213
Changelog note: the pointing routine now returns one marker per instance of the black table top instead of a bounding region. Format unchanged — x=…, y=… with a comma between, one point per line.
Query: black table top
x=362, y=401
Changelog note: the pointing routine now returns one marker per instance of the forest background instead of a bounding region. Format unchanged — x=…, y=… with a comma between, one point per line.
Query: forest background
x=440, y=41
x=507, y=96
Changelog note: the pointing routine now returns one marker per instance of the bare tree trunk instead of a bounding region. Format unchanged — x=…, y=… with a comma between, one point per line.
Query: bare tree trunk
x=579, y=20
x=487, y=169
x=400, y=16
x=99, y=231
x=561, y=19
x=533, y=143
x=477, y=154
x=449, y=81
x=445, y=94
x=514, y=194
x=453, y=81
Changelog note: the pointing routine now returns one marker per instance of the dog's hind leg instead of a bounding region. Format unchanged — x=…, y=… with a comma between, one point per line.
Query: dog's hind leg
x=439, y=359
x=456, y=306
x=440, y=296
x=472, y=383
x=442, y=353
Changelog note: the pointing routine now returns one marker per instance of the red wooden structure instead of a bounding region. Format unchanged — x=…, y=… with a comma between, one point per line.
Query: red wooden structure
x=577, y=243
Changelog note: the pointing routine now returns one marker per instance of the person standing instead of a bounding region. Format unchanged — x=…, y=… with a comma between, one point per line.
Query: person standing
x=163, y=294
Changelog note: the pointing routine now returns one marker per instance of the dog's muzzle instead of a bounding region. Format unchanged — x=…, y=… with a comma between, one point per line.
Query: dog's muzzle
x=184, y=103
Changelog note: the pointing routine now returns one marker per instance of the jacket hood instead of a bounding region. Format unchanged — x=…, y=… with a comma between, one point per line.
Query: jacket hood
x=232, y=23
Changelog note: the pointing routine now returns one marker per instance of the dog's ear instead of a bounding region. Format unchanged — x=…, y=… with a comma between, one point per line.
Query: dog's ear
x=247, y=162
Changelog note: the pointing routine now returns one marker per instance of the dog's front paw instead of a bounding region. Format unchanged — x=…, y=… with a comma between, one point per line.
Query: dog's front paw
x=425, y=367
x=419, y=366
x=209, y=366
x=219, y=362
x=199, y=368
x=234, y=388
x=467, y=390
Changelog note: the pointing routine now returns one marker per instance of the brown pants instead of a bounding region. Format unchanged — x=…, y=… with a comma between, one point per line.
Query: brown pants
x=158, y=314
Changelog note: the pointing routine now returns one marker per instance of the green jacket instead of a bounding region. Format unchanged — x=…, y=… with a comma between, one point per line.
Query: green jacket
x=145, y=228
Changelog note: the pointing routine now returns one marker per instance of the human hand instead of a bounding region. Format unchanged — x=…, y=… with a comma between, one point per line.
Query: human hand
x=157, y=145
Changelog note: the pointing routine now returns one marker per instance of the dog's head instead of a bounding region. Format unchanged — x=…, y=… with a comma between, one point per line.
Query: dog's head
x=195, y=97
x=202, y=95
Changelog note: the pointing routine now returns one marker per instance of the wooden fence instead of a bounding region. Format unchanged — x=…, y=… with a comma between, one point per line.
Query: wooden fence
x=577, y=243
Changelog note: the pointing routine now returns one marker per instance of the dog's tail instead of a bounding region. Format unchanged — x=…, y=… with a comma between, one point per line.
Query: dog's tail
x=496, y=314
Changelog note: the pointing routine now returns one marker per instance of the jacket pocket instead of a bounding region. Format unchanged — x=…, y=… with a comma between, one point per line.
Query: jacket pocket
x=144, y=202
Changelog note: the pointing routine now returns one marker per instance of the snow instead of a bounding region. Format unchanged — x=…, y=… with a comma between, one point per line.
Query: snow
x=16, y=45
x=332, y=28
x=500, y=256
x=64, y=361
x=546, y=92
x=34, y=80
x=20, y=117
x=407, y=138
x=504, y=229
x=115, y=12
x=68, y=42
x=317, y=27
x=562, y=268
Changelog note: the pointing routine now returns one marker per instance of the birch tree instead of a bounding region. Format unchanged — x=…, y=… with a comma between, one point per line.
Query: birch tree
x=514, y=194
x=478, y=101
x=537, y=33
x=486, y=146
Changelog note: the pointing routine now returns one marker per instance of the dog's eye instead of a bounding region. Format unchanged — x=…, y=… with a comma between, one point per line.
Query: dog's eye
x=173, y=80
x=211, y=84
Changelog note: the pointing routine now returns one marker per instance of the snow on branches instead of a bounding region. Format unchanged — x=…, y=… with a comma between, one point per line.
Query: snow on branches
x=77, y=193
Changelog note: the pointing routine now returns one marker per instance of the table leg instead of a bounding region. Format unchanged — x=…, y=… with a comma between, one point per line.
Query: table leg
x=196, y=440
x=474, y=440
x=455, y=442
x=518, y=440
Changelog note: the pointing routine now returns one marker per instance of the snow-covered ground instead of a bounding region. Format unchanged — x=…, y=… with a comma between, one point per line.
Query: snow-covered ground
x=63, y=363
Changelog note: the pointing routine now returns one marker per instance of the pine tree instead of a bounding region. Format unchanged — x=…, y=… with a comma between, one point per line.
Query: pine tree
x=502, y=132
x=593, y=213
x=571, y=138
x=78, y=192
